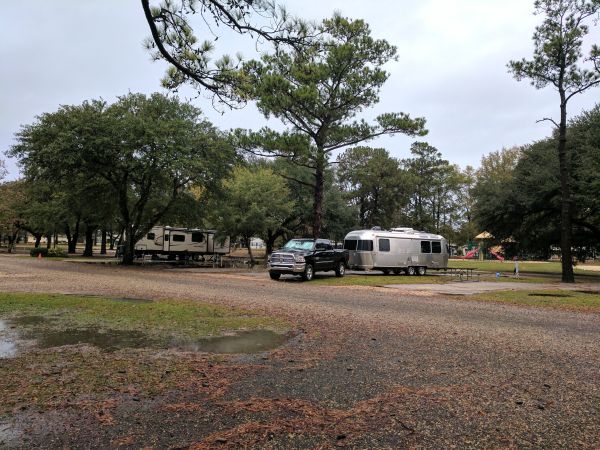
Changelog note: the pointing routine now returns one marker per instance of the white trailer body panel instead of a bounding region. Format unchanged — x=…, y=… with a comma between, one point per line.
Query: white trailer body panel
x=398, y=248
x=172, y=241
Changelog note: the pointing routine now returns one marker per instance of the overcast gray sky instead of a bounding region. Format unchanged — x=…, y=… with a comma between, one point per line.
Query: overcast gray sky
x=451, y=68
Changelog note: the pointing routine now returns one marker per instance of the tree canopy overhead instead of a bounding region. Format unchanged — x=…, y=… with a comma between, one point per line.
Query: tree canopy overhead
x=174, y=39
x=319, y=91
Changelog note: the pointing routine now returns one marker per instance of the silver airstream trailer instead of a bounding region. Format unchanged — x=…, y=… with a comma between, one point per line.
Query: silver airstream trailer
x=396, y=250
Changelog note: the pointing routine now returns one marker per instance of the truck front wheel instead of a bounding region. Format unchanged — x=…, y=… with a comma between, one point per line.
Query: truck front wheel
x=340, y=270
x=274, y=275
x=308, y=273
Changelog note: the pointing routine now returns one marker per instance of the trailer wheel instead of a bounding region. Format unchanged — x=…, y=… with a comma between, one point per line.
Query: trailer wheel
x=274, y=275
x=308, y=273
x=422, y=270
x=410, y=270
x=340, y=270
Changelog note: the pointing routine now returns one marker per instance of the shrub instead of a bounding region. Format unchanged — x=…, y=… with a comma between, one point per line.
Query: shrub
x=57, y=253
x=50, y=253
x=38, y=251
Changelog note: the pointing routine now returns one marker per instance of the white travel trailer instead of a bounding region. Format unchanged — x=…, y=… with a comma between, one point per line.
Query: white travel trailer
x=181, y=242
x=397, y=249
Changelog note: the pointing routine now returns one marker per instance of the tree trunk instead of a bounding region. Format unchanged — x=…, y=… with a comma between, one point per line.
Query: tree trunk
x=249, y=246
x=72, y=238
x=89, y=240
x=318, y=200
x=48, y=240
x=103, y=242
x=566, y=207
x=127, y=244
x=38, y=238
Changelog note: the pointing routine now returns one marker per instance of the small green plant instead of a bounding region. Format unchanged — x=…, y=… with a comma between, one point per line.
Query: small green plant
x=57, y=253
x=35, y=252
x=48, y=252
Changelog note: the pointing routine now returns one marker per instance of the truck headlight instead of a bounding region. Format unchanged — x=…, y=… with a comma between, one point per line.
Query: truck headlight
x=300, y=259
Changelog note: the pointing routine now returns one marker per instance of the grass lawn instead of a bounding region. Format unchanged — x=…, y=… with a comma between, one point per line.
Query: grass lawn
x=507, y=267
x=96, y=378
x=558, y=299
x=166, y=318
x=377, y=280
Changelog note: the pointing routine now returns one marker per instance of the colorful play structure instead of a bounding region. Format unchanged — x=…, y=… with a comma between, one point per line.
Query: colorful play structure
x=478, y=251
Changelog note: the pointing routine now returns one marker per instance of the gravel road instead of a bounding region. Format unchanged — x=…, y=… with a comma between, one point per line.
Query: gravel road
x=370, y=367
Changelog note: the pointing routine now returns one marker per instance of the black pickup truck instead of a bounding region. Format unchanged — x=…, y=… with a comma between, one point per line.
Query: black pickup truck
x=304, y=257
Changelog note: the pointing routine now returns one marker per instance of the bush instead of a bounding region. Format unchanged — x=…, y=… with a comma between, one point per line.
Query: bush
x=57, y=253
x=49, y=253
x=38, y=251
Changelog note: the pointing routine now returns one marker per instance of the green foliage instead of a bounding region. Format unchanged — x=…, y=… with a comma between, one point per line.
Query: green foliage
x=557, y=55
x=374, y=183
x=173, y=39
x=35, y=252
x=48, y=252
x=137, y=156
x=558, y=61
x=518, y=192
x=436, y=187
x=318, y=92
x=255, y=200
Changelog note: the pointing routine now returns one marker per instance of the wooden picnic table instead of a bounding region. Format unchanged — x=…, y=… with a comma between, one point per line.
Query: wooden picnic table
x=462, y=274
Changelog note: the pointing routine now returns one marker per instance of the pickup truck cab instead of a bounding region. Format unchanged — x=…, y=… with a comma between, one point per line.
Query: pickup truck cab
x=304, y=257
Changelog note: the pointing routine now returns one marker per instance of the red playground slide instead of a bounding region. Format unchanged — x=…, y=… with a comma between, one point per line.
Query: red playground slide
x=497, y=256
x=470, y=254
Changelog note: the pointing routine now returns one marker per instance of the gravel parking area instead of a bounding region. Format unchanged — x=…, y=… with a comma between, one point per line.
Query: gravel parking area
x=369, y=368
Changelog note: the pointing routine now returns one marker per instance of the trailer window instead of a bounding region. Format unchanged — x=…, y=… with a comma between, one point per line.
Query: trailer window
x=350, y=244
x=364, y=246
x=425, y=247
x=197, y=237
x=179, y=238
x=436, y=247
x=150, y=236
x=384, y=245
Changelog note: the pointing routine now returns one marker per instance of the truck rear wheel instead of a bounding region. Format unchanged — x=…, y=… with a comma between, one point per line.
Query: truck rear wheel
x=340, y=270
x=422, y=270
x=274, y=275
x=308, y=273
x=410, y=270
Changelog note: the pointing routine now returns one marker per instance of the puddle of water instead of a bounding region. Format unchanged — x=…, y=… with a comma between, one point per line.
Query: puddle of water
x=108, y=340
x=244, y=342
x=8, y=348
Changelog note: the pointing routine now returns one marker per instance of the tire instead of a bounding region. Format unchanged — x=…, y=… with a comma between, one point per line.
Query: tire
x=340, y=270
x=309, y=273
x=410, y=270
x=274, y=275
x=421, y=271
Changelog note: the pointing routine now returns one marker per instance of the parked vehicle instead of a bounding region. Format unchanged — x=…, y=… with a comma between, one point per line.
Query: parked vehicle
x=396, y=250
x=181, y=243
x=304, y=257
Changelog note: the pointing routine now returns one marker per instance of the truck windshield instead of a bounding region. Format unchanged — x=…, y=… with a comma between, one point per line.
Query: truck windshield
x=299, y=244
